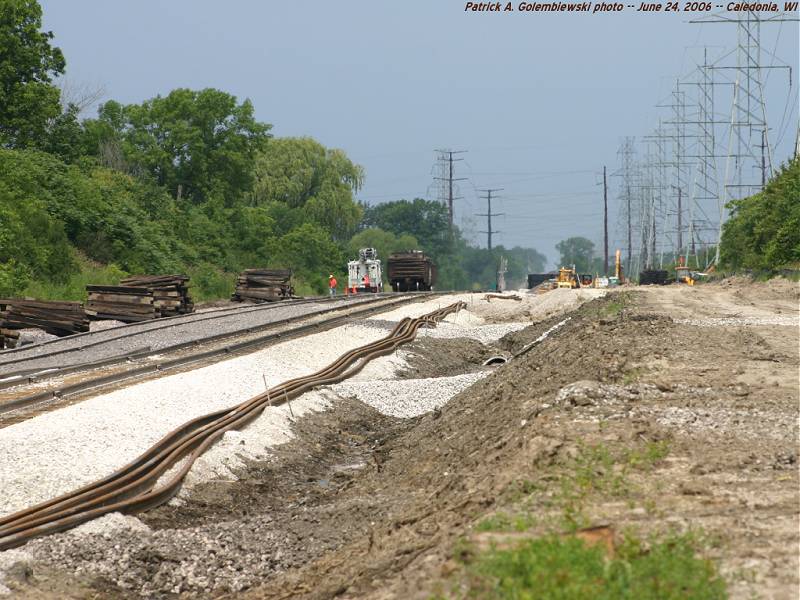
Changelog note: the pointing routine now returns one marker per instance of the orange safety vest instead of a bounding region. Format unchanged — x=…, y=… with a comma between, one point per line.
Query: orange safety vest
x=332, y=282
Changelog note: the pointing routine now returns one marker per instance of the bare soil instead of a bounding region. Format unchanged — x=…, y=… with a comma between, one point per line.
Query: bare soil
x=361, y=505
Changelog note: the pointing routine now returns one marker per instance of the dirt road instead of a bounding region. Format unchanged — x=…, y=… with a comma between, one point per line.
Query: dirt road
x=678, y=406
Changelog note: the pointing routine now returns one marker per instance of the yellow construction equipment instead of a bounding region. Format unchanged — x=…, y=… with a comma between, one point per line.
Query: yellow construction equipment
x=684, y=274
x=618, y=267
x=567, y=278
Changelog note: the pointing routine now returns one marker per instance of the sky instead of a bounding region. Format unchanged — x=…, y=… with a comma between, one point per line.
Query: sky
x=539, y=101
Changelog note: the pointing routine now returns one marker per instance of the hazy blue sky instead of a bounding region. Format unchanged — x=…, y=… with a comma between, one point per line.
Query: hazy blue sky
x=540, y=101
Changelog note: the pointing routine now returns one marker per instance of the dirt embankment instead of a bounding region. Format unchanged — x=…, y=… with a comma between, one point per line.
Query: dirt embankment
x=361, y=505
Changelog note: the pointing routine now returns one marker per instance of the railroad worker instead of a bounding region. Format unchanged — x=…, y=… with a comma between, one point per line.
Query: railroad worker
x=332, y=283
x=366, y=282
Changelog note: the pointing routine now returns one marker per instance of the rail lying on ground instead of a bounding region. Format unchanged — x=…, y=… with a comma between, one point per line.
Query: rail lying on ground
x=135, y=486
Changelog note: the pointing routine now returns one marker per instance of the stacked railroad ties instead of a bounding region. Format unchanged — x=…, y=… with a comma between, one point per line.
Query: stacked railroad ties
x=140, y=298
x=263, y=285
x=57, y=318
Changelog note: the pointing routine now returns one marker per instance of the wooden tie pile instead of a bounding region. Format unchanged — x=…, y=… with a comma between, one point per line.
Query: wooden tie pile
x=170, y=292
x=263, y=285
x=140, y=298
x=121, y=303
x=57, y=318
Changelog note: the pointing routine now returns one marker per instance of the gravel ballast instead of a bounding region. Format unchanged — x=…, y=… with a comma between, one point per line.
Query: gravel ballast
x=58, y=451
x=154, y=334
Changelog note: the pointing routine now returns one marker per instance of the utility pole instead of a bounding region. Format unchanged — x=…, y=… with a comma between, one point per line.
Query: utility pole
x=489, y=214
x=680, y=223
x=605, y=223
x=630, y=230
x=446, y=160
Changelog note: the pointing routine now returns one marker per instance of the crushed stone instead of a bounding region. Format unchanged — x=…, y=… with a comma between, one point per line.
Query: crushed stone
x=407, y=398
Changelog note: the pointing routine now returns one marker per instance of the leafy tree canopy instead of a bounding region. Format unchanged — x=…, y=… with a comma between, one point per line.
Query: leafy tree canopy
x=764, y=229
x=385, y=242
x=426, y=220
x=300, y=173
x=194, y=143
x=28, y=100
x=577, y=251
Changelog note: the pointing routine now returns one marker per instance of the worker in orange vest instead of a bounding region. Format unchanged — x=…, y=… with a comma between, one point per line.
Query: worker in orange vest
x=366, y=282
x=332, y=283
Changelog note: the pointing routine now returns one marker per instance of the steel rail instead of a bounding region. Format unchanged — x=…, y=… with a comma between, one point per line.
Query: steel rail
x=135, y=486
x=165, y=323
x=62, y=369
x=153, y=367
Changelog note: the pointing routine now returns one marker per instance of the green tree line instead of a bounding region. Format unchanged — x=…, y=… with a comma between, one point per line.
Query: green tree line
x=763, y=232
x=187, y=182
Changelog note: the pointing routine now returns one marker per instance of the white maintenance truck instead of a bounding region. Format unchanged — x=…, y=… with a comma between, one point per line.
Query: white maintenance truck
x=364, y=275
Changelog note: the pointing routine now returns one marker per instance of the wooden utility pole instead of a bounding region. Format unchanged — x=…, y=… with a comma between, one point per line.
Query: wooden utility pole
x=605, y=223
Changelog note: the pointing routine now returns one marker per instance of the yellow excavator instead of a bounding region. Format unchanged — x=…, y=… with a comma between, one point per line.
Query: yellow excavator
x=618, y=267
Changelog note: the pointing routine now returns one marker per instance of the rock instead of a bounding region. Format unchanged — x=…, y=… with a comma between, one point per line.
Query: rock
x=693, y=488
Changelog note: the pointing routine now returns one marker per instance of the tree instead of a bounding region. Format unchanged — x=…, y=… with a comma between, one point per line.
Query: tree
x=426, y=220
x=309, y=252
x=300, y=173
x=194, y=143
x=576, y=251
x=385, y=242
x=28, y=100
x=763, y=231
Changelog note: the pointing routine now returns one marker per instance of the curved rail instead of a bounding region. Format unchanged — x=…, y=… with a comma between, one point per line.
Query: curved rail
x=135, y=487
x=160, y=366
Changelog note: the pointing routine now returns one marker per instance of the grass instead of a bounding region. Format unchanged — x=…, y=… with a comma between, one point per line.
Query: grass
x=562, y=567
x=209, y=283
x=565, y=568
x=502, y=521
x=631, y=376
x=612, y=306
x=75, y=287
x=597, y=471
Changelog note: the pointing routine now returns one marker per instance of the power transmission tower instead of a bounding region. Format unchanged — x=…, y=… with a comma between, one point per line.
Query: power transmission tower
x=489, y=214
x=748, y=117
x=629, y=185
x=446, y=179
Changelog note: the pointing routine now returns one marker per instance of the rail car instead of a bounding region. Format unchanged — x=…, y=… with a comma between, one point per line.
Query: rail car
x=411, y=271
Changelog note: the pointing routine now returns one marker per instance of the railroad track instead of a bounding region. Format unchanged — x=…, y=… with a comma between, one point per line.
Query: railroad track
x=135, y=487
x=66, y=345
x=126, y=367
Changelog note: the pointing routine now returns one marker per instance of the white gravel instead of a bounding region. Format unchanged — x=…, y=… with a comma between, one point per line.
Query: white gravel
x=786, y=321
x=12, y=562
x=58, y=451
x=483, y=333
x=407, y=398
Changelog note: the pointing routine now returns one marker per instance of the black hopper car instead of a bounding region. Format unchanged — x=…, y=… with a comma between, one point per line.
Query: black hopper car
x=411, y=271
